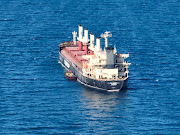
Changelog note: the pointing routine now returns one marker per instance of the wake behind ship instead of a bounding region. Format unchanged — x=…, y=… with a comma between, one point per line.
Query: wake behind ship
x=94, y=67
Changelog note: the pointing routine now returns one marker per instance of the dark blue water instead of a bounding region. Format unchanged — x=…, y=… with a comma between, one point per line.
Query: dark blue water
x=35, y=98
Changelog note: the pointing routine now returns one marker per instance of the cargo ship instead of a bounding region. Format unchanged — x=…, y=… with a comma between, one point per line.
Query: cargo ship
x=98, y=68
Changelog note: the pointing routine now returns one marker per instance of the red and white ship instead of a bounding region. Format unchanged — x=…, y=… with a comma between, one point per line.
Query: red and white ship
x=94, y=67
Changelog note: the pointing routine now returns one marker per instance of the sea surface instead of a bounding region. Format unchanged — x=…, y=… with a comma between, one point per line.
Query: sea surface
x=35, y=98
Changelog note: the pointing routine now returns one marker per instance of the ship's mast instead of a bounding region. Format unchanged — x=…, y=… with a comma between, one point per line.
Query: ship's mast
x=105, y=36
x=74, y=37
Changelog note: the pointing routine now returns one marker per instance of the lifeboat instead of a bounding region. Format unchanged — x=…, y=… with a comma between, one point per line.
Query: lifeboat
x=69, y=75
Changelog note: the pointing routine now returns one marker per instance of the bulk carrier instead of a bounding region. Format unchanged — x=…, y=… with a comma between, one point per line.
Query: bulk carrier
x=94, y=67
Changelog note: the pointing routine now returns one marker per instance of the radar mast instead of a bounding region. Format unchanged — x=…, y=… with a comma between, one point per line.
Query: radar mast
x=105, y=36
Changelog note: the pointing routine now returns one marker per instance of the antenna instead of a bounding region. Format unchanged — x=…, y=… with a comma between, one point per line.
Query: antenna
x=105, y=36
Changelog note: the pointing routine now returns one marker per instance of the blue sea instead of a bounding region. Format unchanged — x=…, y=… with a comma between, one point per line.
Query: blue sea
x=35, y=98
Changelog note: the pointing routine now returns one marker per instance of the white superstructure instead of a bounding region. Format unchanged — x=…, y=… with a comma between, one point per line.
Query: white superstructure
x=103, y=64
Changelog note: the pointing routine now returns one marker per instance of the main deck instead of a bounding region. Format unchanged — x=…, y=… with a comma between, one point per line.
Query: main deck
x=73, y=54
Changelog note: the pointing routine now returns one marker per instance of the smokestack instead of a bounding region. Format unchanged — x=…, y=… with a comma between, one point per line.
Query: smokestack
x=80, y=38
x=98, y=44
x=85, y=36
x=92, y=40
x=110, y=57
